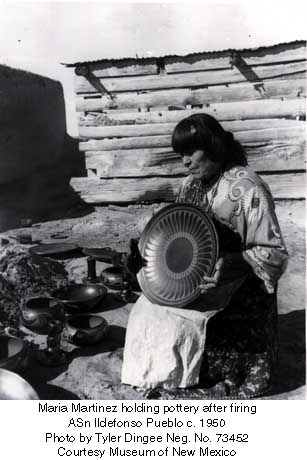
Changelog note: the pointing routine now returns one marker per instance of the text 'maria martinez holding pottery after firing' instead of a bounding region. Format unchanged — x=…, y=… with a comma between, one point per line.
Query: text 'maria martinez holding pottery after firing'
x=226, y=341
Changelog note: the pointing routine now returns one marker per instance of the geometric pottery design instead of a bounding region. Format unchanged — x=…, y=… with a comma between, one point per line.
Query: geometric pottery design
x=180, y=246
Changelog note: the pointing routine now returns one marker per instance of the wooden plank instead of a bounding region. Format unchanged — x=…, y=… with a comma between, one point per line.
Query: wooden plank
x=245, y=110
x=126, y=143
x=287, y=186
x=292, y=285
x=181, y=97
x=277, y=155
x=196, y=61
x=283, y=186
x=253, y=136
x=155, y=129
x=273, y=156
x=251, y=58
x=126, y=190
x=147, y=162
x=271, y=134
x=101, y=132
x=124, y=67
x=192, y=79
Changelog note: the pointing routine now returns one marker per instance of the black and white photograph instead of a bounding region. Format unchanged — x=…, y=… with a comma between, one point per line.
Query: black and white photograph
x=152, y=201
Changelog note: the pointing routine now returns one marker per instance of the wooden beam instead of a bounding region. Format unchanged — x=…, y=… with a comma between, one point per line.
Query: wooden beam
x=251, y=57
x=101, y=132
x=126, y=143
x=272, y=134
x=277, y=155
x=195, y=62
x=253, y=136
x=155, y=129
x=147, y=162
x=192, y=79
x=284, y=186
x=276, y=89
x=272, y=156
x=243, y=110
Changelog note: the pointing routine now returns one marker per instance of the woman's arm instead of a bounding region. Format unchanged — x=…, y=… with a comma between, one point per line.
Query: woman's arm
x=264, y=248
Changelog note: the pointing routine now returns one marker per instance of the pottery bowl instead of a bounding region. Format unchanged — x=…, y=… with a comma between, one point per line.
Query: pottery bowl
x=13, y=352
x=38, y=312
x=12, y=386
x=112, y=277
x=86, y=329
x=80, y=297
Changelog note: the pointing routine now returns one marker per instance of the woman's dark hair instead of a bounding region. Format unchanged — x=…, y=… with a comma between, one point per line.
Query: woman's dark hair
x=201, y=131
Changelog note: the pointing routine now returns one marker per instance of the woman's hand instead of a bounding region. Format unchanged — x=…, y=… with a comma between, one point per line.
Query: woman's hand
x=211, y=282
x=229, y=266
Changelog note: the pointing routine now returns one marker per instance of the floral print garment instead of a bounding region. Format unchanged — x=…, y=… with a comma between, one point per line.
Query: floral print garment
x=241, y=201
x=241, y=346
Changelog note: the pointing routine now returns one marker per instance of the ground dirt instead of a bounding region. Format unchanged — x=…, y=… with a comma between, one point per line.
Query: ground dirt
x=93, y=372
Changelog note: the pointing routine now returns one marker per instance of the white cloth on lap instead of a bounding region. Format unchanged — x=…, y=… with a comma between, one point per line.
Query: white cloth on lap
x=164, y=345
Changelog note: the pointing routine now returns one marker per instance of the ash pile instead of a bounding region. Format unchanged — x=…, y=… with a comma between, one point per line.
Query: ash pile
x=24, y=275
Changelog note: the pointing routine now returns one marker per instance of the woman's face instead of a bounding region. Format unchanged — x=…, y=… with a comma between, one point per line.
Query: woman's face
x=200, y=166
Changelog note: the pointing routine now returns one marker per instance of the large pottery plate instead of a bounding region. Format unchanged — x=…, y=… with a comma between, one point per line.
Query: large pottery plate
x=180, y=246
x=53, y=249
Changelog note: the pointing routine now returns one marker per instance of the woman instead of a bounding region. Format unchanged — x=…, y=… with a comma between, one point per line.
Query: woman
x=228, y=338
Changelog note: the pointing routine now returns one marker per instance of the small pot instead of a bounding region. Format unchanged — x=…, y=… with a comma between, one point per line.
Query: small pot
x=86, y=329
x=37, y=313
x=12, y=386
x=13, y=353
x=112, y=278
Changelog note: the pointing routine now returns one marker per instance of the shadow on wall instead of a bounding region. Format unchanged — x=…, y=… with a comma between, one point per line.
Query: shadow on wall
x=37, y=157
